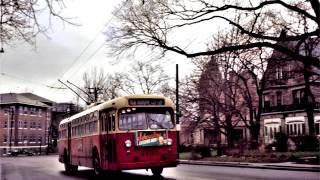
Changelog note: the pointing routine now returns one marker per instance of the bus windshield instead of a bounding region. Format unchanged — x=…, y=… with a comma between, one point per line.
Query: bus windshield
x=140, y=119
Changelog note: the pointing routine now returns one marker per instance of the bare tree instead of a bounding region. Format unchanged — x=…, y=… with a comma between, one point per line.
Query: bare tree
x=101, y=86
x=145, y=78
x=19, y=19
x=261, y=24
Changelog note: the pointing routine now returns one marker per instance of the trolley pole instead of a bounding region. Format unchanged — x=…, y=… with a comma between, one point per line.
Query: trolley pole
x=177, y=109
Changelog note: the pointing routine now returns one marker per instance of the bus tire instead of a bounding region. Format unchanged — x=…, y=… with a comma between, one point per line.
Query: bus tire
x=96, y=163
x=157, y=171
x=69, y=168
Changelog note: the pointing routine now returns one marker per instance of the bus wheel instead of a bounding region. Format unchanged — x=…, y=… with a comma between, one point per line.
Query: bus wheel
x=67, y=165
x=156, y=171
x=69, y=168
x=74, y=169
x=96, y=164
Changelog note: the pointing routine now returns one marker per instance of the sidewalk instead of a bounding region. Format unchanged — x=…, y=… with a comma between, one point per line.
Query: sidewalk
x=279, y=166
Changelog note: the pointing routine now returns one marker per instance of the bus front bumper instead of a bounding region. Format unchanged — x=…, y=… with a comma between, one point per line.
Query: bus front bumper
x=146, y=165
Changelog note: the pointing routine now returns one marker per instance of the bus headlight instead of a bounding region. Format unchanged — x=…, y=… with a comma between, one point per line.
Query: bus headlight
x=128, y=143
x=169, y=141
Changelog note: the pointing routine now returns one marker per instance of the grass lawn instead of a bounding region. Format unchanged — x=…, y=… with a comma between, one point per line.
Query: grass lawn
x=254, y=156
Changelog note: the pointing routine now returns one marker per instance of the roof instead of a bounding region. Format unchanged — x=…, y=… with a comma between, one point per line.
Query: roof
x=114, y=103
x=14, y=98
x=36, y=97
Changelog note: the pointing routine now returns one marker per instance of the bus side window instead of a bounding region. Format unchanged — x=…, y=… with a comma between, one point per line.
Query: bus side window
x=102, y=123
x=109, y=122
x=113, y=121
x=106, y=122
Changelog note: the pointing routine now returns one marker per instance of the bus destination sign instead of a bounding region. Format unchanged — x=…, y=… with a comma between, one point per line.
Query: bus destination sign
x=146, y=102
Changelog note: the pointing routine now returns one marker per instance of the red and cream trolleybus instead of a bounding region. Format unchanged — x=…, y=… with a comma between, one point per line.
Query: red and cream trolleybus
x=131, y=132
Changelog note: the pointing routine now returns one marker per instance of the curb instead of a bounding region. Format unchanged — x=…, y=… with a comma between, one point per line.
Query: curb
x=250, y=165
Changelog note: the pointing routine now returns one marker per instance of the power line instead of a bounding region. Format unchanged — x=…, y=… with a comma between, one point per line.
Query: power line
x=34, y=82
x=88, y=59
x=78, y=57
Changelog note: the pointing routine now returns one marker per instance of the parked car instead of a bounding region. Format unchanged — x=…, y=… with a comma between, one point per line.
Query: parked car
x=14, y=152
x=28, y=153
x=17, y=152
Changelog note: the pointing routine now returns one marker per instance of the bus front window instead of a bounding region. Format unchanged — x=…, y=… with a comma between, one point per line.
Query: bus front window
x=141, y=119
x=134, y=121
x=159, y=121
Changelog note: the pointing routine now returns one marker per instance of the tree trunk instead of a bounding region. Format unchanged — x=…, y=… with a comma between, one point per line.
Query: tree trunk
x=229, y=131
x=309, y=101
x=254, y=139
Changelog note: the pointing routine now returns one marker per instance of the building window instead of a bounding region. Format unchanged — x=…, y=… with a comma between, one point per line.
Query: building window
x=20, y=124
x=25, y=139
x=32, y=124
x=296, y=128
x=279, y=98
x=25, y=124
x=25, y=110
x=266, y=101
x=39, y=138
x=290, y=71
x=298, y=96
x=20, y=109
x=279, y=72
x=39, y=125
x=317, y=128
x=5, y=125
x=265, y=131
x=32, y=139
x=40, y=112
x=271, y=133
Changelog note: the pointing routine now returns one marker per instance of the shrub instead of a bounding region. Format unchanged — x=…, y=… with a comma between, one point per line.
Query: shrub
x=205, y=151
x=306, y=143
x=281, y=143
x=185, y=148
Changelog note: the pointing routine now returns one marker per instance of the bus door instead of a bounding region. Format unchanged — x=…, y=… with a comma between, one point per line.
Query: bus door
x=69, y=141
x=104, y=133
x=107, y=139
x=112, y=152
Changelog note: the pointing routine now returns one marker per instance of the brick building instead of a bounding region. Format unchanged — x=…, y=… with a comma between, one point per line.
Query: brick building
x=24, y=122
x=284, y=104
x=59, y=112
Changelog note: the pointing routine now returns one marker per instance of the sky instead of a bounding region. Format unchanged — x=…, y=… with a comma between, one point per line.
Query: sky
x=67, y=52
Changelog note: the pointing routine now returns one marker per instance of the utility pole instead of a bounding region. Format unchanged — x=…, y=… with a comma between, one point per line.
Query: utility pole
x=8, y=126
x=10, y=117
x=95, y=91
x=177, y=108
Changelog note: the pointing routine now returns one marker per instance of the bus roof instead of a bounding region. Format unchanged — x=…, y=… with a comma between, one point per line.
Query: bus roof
x=116, y=103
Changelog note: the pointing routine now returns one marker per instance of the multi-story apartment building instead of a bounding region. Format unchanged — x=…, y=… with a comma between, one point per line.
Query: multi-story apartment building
x=222, y=98
x=24, y=122
x=284, y=104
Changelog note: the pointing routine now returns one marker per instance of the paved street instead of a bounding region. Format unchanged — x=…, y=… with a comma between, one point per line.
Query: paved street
x=48, y=168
